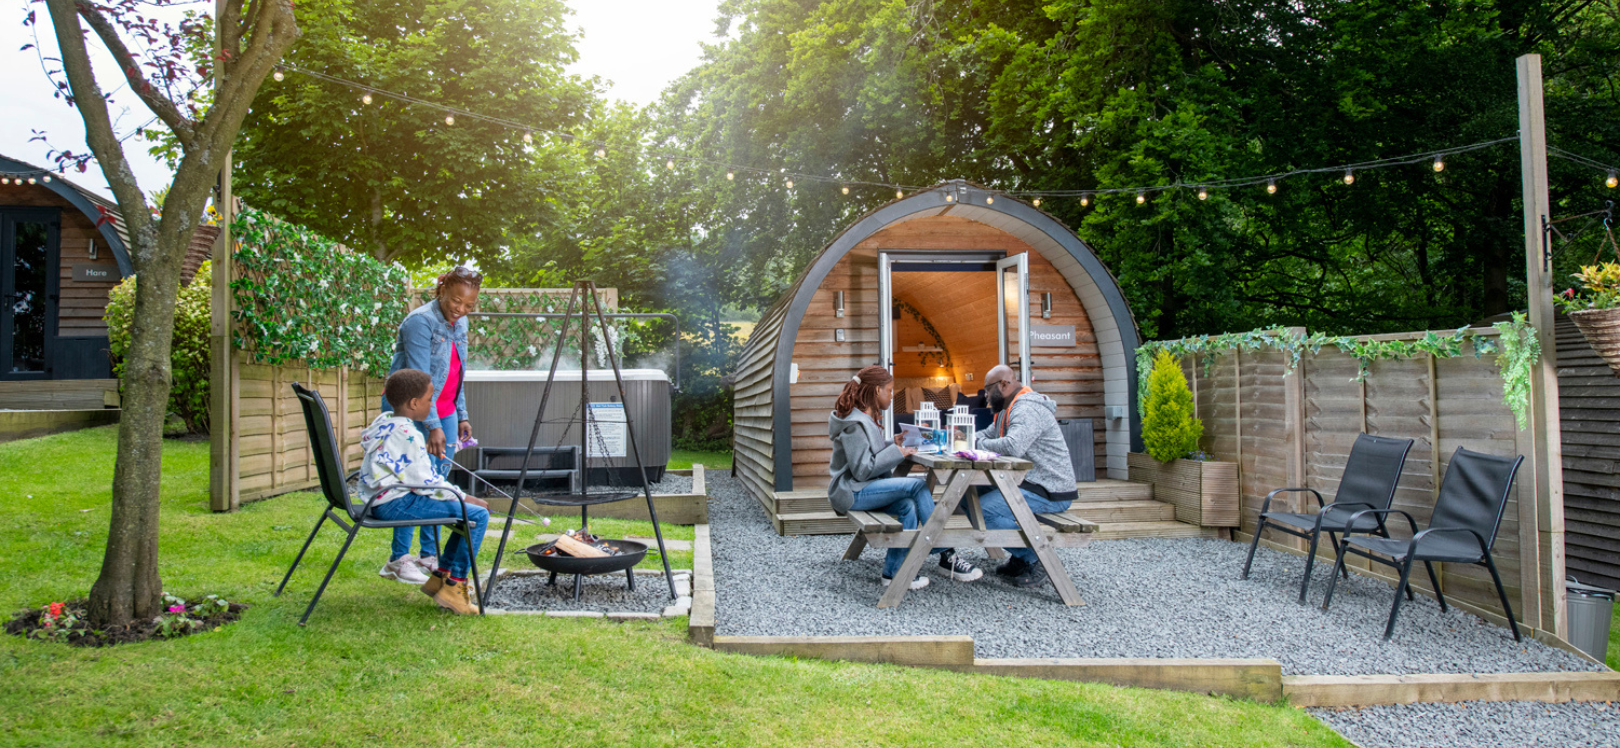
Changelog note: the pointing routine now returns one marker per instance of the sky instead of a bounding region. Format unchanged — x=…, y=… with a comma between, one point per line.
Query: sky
x=639, y=46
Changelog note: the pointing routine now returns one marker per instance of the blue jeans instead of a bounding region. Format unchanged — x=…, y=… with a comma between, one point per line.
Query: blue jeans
x=457, y=558
x=429, y=535
x=908, y=500
x=999, y=516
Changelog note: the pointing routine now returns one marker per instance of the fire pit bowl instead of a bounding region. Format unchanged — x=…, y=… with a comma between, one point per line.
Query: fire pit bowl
x=630, y=554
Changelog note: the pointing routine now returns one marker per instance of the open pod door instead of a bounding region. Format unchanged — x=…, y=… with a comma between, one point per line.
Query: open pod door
x=1012, y=314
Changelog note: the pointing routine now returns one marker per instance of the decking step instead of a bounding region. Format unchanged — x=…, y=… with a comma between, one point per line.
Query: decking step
x=1109, y=489
x=1109, y=512
x=1123, y=530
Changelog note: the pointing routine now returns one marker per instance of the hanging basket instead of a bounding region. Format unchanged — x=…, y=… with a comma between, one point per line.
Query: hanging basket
x=1602, y=330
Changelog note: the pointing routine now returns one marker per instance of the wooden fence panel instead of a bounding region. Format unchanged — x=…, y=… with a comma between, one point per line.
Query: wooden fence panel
x=1244, y=399
x=1589, y=403
x=272, y=443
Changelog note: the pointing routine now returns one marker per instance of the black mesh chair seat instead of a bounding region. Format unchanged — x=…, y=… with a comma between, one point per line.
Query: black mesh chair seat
x=1462, y=530
x=1371, y=473
x=1333, y=519
x=1451, y=548
x=341, y=507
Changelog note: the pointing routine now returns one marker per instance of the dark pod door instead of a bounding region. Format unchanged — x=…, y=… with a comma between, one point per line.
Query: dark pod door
x=28, y=288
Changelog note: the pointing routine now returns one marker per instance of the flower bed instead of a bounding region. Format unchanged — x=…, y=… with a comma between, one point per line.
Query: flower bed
x=69, y=622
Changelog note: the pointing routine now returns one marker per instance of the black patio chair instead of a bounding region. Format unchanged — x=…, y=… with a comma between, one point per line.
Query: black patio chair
x=341, y=508
x=1370, y=475
x=1467, y=514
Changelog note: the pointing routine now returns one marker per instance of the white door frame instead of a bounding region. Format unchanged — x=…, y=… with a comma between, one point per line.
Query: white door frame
x=1019, y=262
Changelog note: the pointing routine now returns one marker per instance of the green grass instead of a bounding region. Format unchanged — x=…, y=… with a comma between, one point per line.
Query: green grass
x=681, y=459
x=379, y=665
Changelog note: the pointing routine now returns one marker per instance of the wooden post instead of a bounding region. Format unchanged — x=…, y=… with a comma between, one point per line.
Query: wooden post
x=223, y=493
x=1541, y=509
x=1434, y=452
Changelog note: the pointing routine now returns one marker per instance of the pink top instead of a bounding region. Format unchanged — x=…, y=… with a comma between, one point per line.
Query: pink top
x=452, y=381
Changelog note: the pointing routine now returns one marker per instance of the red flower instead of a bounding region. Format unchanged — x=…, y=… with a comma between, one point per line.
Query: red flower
x=1569, y=293
x=56, y=610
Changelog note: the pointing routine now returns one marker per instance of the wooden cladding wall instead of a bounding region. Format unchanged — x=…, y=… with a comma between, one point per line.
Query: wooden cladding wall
x=1296, y=429
x=272, y=444
x=1589, y=406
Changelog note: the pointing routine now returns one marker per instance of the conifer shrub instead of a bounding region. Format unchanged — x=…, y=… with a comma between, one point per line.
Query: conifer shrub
x=1169, y=430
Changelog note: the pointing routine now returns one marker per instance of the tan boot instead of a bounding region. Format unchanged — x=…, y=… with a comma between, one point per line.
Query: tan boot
x=433, y=584
x=455, y=596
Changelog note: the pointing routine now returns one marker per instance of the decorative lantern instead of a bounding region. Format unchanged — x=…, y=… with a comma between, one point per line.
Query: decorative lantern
x=927, y=416
x=962, y=430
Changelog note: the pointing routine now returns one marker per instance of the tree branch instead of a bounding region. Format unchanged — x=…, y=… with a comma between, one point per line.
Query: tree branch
x=184, y=129
x=98, y=131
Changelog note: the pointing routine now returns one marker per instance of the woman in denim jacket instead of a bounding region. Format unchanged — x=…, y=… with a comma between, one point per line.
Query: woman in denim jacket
x=433, y=338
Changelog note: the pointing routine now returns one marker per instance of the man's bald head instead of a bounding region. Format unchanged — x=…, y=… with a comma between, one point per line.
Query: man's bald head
x=1000, y=373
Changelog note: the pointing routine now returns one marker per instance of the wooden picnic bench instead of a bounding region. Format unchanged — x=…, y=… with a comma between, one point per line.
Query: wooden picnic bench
x=1038, y=532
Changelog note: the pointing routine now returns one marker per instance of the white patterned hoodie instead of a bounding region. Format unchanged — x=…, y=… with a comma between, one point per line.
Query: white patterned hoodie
x=396, y=456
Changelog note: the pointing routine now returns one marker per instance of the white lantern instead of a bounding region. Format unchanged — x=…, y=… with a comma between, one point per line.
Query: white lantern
x=927, y=416
x=962, y=430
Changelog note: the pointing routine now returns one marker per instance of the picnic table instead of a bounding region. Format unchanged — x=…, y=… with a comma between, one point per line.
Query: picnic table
x=1041, y=533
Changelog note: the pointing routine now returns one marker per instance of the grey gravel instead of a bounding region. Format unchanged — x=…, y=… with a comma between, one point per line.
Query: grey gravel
x=1145, y=598
x=602, y=593
x=1478, y=723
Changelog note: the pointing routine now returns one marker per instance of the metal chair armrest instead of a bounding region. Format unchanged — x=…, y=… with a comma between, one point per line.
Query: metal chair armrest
x=1265, y=507
x=1471, y=531
x=1323, y=511
x=1351, y=523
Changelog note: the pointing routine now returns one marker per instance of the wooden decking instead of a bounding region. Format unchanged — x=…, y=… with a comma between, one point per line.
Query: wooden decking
x=1121, y=509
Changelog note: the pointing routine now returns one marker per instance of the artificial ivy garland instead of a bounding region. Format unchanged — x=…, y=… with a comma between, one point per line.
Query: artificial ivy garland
x=1517, y=347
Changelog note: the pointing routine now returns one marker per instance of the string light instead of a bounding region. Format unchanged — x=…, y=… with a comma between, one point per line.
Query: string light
x=450, y=119
x=1439, y=164
x=790, y=184
x=1271, y=187
x=365, y=98
x=1349, y=177
x=601, y=153
x=1037, y=202
x=31, y=180
x=950, y=197
x=5, y=180
x=899, y=193
x=730, y=176
x=278, y=75
x=1203, y=194
x=844, y=189
x=47, y=179
x=1085, y=200
x=1141, y=197
x=1613, y=181
x=669, y=163
x=528, y=137
x=989, y=200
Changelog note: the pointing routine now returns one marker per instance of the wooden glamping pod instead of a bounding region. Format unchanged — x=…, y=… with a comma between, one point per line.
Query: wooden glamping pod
x=947, y=264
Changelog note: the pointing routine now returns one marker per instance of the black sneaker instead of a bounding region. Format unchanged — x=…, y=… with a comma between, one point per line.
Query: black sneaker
x=1012, y=568
x=958, y=568
x=1033, y=576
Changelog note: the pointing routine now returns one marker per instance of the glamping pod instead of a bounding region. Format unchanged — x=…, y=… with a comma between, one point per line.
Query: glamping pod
x=940, y=287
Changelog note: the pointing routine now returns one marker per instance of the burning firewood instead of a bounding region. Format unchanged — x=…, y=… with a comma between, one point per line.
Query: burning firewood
x=577, y=548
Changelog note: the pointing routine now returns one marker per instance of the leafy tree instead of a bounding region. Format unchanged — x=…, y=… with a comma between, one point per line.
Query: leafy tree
x=1169, y=429
x=392, y=177
x=253, y=36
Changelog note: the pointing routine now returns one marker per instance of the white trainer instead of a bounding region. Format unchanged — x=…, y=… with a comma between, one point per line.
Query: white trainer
x=428, y=565
x=916, y=584
x=404, y=571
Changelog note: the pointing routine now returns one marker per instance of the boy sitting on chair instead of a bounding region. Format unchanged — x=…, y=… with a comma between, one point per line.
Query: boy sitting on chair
x=399, y=473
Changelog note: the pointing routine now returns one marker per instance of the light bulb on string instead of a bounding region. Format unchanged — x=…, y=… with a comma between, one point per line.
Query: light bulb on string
x=989, y=199
x=5, y=180
x=844, y=189
x=1439, y=164
x=601, y=153
x=1141, y=197
x=31, y=181
x=278, y=75
x=1271, y=187
x=47, y=179
x=1037, y=202
x=1085, y=200
x=790, y=184
x=730, y=175
x=1203, y=194
x=450, y=119
x=1613, y=181
x=669, y=163
x=365, y=98
x=898, y=193
x=528, y=137
x=1349, y=177
x=950, y=197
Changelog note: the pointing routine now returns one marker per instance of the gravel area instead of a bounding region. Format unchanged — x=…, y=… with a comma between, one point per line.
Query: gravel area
x=1145, y=598
x=1476, y=723
x=606, y=593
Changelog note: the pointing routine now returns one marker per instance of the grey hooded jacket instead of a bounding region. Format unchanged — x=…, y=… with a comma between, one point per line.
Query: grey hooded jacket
x=1033, y=434
x=860, y=455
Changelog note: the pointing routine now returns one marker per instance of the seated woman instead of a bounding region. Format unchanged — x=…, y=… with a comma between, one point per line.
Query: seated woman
x=862, y=461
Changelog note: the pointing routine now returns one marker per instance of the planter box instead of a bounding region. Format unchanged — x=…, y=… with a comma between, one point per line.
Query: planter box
x=1204, y=493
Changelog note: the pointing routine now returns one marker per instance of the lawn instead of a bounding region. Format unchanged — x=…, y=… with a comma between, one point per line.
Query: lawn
x=683, y=458
x=379, y=665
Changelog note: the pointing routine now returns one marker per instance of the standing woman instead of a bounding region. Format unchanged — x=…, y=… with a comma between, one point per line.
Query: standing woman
x=433, y=338
x=863, y=461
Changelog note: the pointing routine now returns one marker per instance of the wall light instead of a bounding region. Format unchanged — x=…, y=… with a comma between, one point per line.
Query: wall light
x=838, y=303
x=1046, y=305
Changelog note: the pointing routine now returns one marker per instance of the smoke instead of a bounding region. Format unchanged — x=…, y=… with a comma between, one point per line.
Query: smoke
x=656, y=360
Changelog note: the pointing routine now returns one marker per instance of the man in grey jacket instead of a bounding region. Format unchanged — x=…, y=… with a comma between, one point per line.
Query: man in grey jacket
x=1026, y=427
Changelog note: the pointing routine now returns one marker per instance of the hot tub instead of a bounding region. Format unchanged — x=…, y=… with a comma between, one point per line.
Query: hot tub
x=501, y=406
